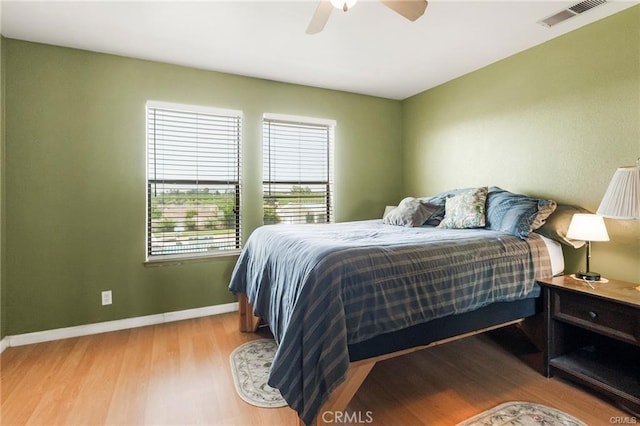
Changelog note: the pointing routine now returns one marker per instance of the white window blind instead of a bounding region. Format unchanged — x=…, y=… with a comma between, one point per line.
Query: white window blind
x=193, y=180
x=298, y=171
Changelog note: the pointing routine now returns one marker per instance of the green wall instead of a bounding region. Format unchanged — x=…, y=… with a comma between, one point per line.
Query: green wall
x=553, y=121
x=75, y=178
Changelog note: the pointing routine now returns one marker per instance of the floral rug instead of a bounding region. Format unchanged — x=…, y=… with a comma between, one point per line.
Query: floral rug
x=522, y=414
x=250, y=363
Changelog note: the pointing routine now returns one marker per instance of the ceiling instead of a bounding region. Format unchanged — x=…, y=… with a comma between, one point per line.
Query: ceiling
x=369, y=50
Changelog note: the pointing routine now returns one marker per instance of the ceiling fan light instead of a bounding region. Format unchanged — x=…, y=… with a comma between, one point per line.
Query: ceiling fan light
x=343, y=4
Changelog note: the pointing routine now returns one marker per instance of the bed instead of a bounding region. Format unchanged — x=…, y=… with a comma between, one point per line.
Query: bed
x=340, y=297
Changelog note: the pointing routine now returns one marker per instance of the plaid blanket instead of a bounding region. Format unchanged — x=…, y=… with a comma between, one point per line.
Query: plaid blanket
x=322, y=287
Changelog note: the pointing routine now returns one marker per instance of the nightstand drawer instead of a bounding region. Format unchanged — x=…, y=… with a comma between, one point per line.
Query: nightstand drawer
x=608, y=318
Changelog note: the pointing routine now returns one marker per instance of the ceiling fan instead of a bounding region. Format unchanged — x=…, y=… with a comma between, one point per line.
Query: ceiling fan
x=410, y=9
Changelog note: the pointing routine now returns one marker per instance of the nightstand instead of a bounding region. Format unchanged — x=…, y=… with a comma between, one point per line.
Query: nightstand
x=593, y=336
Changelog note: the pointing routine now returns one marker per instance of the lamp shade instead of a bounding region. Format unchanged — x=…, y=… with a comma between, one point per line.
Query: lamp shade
x=622, y=199
x=587, y=227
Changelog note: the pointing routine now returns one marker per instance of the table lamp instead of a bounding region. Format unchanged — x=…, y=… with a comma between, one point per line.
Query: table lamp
x=587, y=227
x=620, y=201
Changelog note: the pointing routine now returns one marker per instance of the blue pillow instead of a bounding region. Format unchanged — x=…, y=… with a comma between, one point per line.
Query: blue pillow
x=516, y=214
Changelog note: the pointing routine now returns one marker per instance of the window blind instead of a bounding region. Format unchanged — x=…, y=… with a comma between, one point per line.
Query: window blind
x=193, y=180
x=298, y=172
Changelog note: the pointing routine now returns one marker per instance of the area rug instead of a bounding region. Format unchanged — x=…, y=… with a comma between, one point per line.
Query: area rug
x=522, y=414
x=250, y=363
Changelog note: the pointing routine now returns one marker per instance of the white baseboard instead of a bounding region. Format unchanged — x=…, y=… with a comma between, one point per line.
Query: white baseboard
x=103, y=327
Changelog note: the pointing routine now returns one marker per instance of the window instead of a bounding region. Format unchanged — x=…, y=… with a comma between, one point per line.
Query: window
x=298, y=170
x=193, y=180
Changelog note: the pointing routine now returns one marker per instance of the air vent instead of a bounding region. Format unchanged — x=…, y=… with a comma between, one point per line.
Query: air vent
x=570, y=12
x=585, y=5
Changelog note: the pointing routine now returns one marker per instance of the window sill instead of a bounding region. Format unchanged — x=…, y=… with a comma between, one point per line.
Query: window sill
x=179, y=259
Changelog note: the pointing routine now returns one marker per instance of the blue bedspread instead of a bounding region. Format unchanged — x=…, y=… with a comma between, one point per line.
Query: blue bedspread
x=322, y=287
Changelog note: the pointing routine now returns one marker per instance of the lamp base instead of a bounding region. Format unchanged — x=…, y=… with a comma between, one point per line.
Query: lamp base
x=589, y=276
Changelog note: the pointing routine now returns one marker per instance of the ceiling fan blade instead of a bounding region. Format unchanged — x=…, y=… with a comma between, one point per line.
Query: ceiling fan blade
x=320, y=17
x=410, y=9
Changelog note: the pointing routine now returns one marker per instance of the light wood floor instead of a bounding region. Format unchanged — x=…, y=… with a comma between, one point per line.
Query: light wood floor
x=179, y=373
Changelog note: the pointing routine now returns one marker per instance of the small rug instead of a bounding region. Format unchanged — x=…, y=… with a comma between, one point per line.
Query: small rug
x=250, y=364
x=522, y=414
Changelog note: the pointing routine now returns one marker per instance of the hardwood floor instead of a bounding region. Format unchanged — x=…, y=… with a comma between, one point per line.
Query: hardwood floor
x=178, y=373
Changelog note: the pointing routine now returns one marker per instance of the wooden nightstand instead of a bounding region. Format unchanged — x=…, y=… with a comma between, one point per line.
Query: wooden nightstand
x=593, y=336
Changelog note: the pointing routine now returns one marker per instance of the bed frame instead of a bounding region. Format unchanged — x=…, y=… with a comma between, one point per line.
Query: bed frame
x=365, y=355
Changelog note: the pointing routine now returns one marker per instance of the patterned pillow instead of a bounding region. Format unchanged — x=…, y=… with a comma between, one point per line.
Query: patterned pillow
x=465, y=210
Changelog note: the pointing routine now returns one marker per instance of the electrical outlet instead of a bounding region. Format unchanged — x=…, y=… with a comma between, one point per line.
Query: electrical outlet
x=106, y=297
